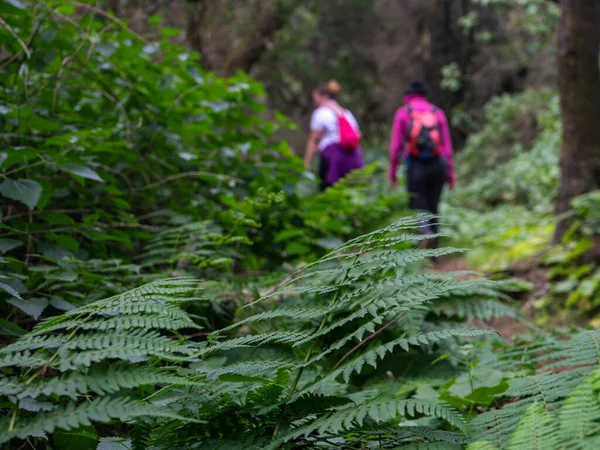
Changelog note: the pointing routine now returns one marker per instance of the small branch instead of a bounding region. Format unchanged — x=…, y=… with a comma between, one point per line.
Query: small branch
x=364, y=341
x=127, y=225
x=63, y=65
x=54, y=211
x=111, y=17
x=186, y=175
x=16, y=36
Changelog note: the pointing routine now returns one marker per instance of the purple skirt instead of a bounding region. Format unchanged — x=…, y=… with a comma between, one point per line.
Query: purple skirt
x=339, y=162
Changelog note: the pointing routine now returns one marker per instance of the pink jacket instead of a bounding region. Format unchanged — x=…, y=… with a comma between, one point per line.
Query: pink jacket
x=397, y=150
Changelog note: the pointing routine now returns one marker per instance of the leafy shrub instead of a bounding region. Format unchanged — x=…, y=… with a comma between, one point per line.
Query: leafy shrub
x=271, y=378
x=301, y=365
x=504, y=210
x=79, y=367
x=500, y=169
x=123, y=161
x=557, y=407
x=501, y=236
x=574, y=274
x=109, y=143
x=358, y=204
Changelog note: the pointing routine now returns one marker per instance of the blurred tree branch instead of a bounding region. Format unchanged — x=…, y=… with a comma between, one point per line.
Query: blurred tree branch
x=272, y=17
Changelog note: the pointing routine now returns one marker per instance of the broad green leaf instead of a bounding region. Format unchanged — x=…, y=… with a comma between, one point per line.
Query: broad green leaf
x=82, y=171
x=14, y=3
x=10, y=329
x=40, y=124
x=47, y=191
x=154, y=20
x=295, y=248
x=10, y=290
x=68, y=242
x=24, y=191
x=66, y=9
x=330, y=243
x=114, y=443
x=170, y=32
x=8, y=244
x=84, y=438
x=63, y=305
x=57, y=219
x=33, y=306
x=288, y=234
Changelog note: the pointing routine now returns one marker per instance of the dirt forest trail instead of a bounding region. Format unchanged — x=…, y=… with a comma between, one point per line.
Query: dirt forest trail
x=506, y=326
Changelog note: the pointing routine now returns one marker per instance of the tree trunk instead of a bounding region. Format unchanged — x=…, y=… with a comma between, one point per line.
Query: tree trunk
x=273, y=16
x=579, y=87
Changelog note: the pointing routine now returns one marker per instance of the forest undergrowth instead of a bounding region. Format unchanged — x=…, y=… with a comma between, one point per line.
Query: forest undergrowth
x=169, y=278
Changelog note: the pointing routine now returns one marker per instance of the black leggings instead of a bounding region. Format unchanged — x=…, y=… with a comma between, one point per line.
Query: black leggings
x=323, y=168
x=425, y=182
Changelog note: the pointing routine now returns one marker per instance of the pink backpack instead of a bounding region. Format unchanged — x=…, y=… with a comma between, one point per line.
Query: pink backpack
x=349, y=136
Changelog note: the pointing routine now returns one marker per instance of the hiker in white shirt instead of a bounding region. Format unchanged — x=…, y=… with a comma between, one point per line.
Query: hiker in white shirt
x=339, y=151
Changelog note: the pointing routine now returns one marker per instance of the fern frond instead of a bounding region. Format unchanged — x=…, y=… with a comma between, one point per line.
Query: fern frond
x=25, y=359
x=469, y=309
x=406, y=298
x=294, y=313
x=70, y=417
x=574, y=360
x=579, y=416
x=537, y=431
x=547, y=390
x=156, y=315
x=378, y=411
x=370, y=357
x=98, y=380
x=141, y=435
x=433, y=446
x=197, y=241
x=248, y=368
x=166, y=292
x=278, y=337
x=411, y=437
x=353, y=269
x=481, y=446
x=587, y=346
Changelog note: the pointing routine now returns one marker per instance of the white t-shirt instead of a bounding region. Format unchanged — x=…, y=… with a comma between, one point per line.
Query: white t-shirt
x=324, y=119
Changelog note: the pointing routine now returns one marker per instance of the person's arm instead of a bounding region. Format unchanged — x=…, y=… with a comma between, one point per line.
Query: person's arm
x=398, y=132
x=312, y=146
x=446, y=150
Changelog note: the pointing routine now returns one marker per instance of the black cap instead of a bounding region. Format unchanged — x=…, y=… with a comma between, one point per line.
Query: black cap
x=417, y=87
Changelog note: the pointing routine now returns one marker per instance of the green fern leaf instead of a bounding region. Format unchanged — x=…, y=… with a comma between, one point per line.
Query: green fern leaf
x=370, y=357
x=98, y=380
x=481, y=446
x=579, y=417
x=378, y=411
x=537, y=431
x=101, y=410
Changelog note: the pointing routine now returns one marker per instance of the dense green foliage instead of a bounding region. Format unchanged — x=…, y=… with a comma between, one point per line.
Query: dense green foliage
x=171, y=279
x=107, y=142
x=121, y=158
x=505, y=211
x=573, y=266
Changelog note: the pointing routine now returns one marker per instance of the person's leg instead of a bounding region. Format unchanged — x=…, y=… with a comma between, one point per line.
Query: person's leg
x=323, y=169
x=419, y=191
x=437, y=181
x=416, y=186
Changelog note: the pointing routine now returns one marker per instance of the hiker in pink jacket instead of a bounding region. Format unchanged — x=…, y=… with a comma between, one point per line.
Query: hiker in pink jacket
x=421, y=138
